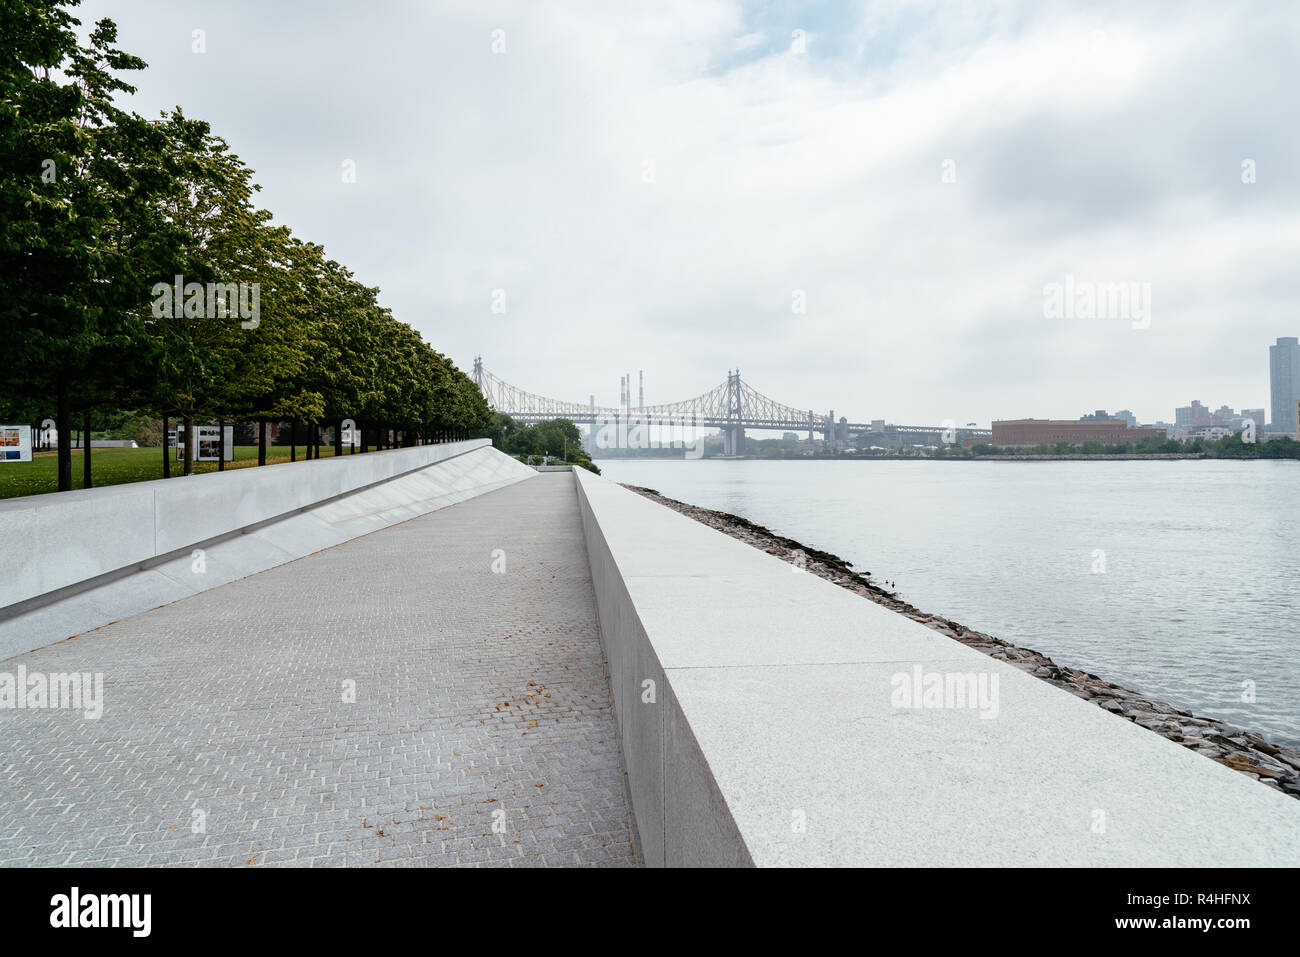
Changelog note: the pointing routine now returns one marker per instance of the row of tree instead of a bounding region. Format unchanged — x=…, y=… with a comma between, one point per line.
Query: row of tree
x=137, y=272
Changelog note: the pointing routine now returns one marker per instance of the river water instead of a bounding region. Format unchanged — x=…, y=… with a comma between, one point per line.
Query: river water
x=1176, y=578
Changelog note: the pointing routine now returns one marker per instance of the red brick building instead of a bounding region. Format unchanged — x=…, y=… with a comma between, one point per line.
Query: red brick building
x=1014, y=433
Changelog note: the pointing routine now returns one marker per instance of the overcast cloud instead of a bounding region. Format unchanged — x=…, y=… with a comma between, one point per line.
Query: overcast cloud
x=1100, y=140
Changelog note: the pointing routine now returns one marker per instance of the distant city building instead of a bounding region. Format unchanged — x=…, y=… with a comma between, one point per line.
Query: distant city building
x=1101, y=415
x=789, y=437
x=1014, y=433
x=1194, y=419
x=1284, y=383
x=1211, y=432
x=1192, y=415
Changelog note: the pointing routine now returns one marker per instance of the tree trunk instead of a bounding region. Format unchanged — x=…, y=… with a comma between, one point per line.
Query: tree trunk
x=167, y=452
x=293, y=441
x=221, y=445
x=63, y=415
x=187, y=422
x=261, y=441
x=86, y=481
x=338, y=438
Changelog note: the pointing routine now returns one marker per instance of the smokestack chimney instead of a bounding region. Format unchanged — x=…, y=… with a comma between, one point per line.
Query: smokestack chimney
x=641, y=373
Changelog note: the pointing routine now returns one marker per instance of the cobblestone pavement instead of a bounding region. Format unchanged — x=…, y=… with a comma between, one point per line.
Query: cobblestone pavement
x=480, y=697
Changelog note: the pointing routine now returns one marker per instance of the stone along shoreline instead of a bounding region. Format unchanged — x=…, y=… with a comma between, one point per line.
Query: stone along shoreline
x=1244, y=751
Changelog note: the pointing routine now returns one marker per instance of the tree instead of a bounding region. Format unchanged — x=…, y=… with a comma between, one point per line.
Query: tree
x=79, y=233
x=101, y=211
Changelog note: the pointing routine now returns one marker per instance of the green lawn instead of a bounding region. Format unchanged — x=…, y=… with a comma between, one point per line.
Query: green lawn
x=118, y=466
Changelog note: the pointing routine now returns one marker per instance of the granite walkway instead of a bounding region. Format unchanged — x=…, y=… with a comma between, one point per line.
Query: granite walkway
x=390, y=701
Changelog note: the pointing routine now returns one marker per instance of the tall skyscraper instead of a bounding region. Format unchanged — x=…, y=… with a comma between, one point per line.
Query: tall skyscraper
x=1284, y=383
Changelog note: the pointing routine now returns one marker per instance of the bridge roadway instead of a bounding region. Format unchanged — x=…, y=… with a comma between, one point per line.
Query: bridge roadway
x=476, y=692
x=634, y=418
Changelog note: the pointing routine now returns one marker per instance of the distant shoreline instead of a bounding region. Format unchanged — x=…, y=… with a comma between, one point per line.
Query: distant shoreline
x=1080, y=457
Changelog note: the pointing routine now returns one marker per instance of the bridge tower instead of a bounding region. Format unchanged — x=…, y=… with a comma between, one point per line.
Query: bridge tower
x=478, y=372
x=734, y=434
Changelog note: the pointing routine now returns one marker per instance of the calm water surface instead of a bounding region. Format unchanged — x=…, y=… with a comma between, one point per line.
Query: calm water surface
x=1202, y=559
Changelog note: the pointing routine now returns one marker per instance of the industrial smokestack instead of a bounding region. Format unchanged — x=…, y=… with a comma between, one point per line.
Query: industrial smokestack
x=641, y=373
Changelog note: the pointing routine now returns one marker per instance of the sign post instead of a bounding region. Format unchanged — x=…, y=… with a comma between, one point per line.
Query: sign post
x=15, y=443
x=207, y=443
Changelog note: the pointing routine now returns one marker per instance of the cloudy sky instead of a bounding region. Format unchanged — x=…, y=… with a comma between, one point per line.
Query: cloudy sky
x=859, y=205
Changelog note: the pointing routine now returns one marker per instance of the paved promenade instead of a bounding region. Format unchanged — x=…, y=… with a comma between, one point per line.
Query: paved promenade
x=480, y=699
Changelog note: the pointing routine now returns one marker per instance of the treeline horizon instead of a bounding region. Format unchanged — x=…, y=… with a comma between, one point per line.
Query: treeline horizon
x=139, y=275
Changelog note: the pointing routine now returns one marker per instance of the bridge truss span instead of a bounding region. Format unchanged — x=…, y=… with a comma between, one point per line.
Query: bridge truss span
x=733, y=406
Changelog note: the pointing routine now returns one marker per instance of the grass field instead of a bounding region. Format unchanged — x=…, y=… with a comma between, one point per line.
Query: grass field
x=118, y=466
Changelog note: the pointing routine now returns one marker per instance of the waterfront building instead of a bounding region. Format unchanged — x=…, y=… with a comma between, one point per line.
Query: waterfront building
x=1210, y=432
x=1013, y=433
x=1284, y=383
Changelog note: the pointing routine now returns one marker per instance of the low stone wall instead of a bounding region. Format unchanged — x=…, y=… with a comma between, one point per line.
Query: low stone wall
x=769, y=717
x=76, y=560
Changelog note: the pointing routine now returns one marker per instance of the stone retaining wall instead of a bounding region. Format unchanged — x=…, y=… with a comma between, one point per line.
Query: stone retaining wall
x=76, y=560
x=767, y=717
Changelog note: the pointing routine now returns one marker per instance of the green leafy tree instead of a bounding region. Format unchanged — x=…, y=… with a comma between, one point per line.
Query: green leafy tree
x=80, y=234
